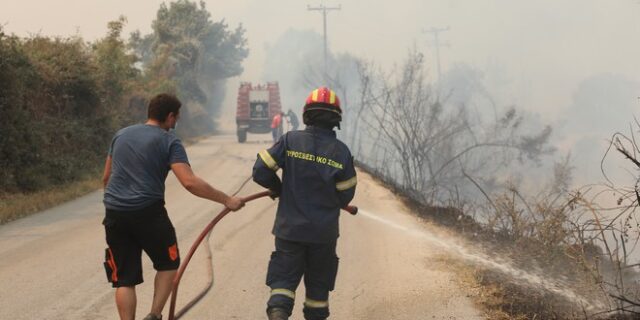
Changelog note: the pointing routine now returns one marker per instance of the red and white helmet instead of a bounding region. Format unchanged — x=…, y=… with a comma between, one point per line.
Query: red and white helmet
x=324, y=99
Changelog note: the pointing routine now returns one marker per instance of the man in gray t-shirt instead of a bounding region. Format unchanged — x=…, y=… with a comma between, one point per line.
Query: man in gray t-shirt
x=131, y=186
x=136, y=220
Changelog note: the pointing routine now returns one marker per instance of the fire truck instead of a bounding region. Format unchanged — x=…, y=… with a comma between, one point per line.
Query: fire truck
x=257, y=104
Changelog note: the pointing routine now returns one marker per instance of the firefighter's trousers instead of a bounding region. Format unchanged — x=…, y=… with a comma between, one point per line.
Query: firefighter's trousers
x=291, y=260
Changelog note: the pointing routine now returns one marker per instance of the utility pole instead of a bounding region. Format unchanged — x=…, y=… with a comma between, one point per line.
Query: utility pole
x=436, y=43
x=324, y=9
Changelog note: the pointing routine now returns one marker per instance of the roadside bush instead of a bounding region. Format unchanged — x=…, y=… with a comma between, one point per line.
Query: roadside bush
x=61, y=101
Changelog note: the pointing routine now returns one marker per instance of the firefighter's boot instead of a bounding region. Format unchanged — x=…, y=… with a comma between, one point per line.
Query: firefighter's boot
x=277, y=314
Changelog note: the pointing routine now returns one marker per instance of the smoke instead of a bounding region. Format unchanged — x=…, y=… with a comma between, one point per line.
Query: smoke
x=602, y=105
x=294, y=59
x=533, y=55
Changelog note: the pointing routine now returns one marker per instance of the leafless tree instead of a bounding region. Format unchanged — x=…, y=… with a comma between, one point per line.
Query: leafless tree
x=434, y=147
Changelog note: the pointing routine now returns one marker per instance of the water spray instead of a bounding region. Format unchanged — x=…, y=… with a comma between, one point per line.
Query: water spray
x=506, y=268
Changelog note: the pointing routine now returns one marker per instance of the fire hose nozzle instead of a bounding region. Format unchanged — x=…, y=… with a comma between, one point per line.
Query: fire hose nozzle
x=353, y=210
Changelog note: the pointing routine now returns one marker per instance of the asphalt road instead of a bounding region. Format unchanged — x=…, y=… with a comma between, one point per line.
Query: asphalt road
x=51, y=262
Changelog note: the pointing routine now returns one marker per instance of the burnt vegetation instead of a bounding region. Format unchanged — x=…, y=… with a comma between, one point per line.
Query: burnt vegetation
x=576, y=238
x=493, y=179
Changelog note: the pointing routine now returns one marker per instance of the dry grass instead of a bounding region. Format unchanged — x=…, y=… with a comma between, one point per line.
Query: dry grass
x=14, y=206
x=486, y=298
x=501, y=300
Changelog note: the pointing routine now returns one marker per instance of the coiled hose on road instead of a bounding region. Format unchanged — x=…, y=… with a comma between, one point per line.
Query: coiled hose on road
x=173, y=315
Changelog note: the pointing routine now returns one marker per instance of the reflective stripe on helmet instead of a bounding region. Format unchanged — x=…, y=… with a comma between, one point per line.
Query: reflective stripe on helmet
x=326, y=96
x=323, y=109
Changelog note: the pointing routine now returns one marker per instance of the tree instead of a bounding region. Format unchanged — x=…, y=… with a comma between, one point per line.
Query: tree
x=61, y=100
x=16, y=140
x=198, y=55
x=431, y=148
x=115, y=72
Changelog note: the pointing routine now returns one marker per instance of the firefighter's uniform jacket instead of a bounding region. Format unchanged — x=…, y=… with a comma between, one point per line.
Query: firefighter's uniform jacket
x=318, y=178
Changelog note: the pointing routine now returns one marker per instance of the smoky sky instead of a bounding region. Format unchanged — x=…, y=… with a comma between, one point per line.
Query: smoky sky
x=533, y=54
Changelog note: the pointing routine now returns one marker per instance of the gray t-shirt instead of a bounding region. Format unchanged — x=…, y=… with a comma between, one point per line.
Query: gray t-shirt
x=141, y=159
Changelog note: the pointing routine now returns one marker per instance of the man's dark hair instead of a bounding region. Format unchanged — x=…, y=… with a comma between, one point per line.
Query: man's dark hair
x=161, y=105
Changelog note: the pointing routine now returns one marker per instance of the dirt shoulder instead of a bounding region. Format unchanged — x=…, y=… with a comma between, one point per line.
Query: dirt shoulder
x=507, y=279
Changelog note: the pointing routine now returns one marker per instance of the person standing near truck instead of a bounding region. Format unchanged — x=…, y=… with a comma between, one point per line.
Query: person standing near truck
x=136, y=220
x=318, y=178
x=293, y=120
x=276, y=126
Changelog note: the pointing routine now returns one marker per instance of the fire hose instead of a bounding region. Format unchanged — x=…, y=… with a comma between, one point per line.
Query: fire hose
x=173, y=315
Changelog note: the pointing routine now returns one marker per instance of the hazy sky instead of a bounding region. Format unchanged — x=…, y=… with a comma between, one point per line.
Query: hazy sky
x=541, y=49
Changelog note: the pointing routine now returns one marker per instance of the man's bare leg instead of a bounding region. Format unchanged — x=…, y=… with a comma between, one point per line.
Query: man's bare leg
x=162, y=289
x=126, y=302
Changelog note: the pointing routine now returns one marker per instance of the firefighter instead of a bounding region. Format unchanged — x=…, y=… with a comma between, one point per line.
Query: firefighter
x=318, y=178
x=276, y=126
x=293, y=120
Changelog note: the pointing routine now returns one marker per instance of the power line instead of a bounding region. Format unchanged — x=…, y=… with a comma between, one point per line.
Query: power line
x=324, y=10
x=436, y=43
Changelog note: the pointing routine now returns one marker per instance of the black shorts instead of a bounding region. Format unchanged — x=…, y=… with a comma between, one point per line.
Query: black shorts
x=128, y=233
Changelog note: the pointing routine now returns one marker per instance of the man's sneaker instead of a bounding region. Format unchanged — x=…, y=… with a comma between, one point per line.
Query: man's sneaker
x=152, y=316
x=277, y=314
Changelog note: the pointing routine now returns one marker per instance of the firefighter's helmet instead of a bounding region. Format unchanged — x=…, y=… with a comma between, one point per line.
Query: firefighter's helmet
x=322, y=109
x=324, y=99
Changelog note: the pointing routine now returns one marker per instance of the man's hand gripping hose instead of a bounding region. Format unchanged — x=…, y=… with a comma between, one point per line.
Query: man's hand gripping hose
x=204, y=234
